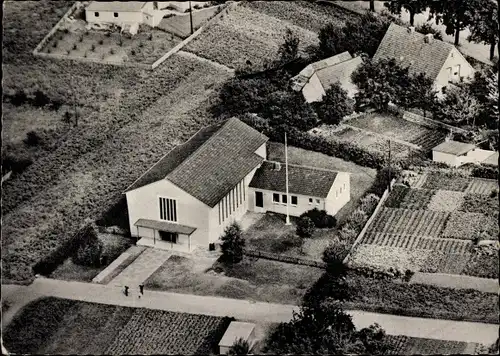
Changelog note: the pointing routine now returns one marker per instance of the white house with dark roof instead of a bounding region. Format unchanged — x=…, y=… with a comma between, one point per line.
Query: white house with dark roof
x=440, y=61
x=196, y=190
x=308, y=188
x=316, y=78
x=455, y=153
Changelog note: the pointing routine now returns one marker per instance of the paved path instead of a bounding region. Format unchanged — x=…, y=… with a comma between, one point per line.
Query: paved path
x=486, y=285
x=240, y=309
x=143, y=267
x=216, y=64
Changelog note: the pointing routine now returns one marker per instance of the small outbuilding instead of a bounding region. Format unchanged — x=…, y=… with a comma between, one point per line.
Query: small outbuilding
x=236, y=330
x=456, y=153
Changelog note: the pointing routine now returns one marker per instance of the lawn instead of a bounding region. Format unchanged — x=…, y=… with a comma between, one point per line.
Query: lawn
x=252, y=279
x=249, y=39
x=60, y=326
x=361, y=177
x=127, y=131
x=308, y=15
x=180, y=25
x=400, y=298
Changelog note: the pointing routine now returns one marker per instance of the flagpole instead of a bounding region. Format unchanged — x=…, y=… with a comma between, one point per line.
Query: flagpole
x=286, y=174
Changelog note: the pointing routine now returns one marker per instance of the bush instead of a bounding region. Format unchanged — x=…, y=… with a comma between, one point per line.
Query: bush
x=382, y=179
x=358, y=219
x=334, y=256
x=494, y=193
x=92, y=48
x=485, y=171
x=348, y=234
x=75, y=47
x=89, y=253
x=240, y=346
x=112, y=51
x=232, y=244
x=55, y=44
x=305, y=227
x=32, y=139
x=101, y=42
x=369, y=203
x=320, y=218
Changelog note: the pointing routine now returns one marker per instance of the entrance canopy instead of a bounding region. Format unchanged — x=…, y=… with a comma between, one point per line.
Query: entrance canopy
x=165, y=226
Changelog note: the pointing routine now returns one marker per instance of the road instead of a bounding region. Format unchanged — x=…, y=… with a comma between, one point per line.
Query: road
x=240, y=309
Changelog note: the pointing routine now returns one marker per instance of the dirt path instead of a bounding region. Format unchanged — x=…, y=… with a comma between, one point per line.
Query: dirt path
x=240, y=309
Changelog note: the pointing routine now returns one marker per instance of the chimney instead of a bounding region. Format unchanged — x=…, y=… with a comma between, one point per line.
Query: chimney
x=428, y=38
x=277, y=166
x=411, y=29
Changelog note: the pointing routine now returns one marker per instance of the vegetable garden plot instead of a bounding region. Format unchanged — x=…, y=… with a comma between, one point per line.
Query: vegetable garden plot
x=417, y=199
x=391, y=240
x=481, y=264
x=464, y=225
x=384, y=257
x=411, y=222
x=453, y=263
x=429, y=140
x=445, y=200
x=478, y=203
x=437, y=180
x=482, y=186
x=396, y=196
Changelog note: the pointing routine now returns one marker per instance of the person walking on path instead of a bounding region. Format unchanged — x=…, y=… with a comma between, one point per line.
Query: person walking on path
x=141, y=289
x=125, y=291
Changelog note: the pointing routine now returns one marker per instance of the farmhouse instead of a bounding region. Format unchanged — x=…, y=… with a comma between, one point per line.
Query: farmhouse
x=456, y=153
x=124, y=13
x=317, y=77
x=196, y=190
x=308, y=188
x=439, y=60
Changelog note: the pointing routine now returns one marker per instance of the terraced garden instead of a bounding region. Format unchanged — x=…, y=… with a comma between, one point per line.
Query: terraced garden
x=243, y=38
x=435, y=230
x=60, y=326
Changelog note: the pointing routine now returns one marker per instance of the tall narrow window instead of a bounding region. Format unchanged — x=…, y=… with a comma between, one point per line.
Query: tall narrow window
x=234, y=203
x=227, y=215
x=244, y=190
x=222, y=209
x=168, y=209
x=229, y=197
x=218, y=205
x=241, y=193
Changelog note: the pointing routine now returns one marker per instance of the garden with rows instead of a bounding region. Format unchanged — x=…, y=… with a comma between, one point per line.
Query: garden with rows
x=448, y=225
x=51, y=326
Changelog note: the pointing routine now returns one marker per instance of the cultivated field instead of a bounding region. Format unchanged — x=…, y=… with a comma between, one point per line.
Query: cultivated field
x=59, y=326
x=245, y=38
x=406, y=345
x=434, y=230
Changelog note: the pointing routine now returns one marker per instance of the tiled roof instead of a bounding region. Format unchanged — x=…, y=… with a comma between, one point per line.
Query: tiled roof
x=125, y=6
x=454, y=147
x=315, y=182
x=302, y=78
x=211, y=163
x=409, y=49
x=340, y=73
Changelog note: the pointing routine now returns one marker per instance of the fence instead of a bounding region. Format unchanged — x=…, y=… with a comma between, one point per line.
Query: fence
x=283, y=258
x=430, y=122
x=370, y=220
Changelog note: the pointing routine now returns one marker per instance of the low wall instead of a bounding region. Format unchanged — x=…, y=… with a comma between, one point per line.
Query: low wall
x=370, y=220
x=283, y=258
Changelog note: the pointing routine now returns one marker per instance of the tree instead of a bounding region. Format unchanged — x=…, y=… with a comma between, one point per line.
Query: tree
x=89, y=253
x=379, y=82
x=325, y=329
x=483, y=26
x=232, y=244
x=412, y=6
x=334, y=255
x=289, y=50
x=458, y=107
x=334, y=105
x=331, y=41
x=305, y=227
x=427, y=28
x=456, y=15
x=364, y=33
x=418, y=93
x=240, y=347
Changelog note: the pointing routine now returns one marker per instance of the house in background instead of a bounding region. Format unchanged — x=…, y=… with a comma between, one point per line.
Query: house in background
x=455, y=153
x=308, y=188
x=317, y=77
x=195, y=191
x=128, y=14
x=439, y=60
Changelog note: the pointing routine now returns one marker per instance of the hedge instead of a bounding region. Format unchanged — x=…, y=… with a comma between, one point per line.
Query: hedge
x=485, y=171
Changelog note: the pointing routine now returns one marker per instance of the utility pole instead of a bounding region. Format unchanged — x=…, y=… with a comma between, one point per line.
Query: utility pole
x=191, y=17
x=389, y=187
x=286, y=175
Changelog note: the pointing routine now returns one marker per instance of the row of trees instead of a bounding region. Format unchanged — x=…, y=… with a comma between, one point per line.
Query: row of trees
x=479, y=16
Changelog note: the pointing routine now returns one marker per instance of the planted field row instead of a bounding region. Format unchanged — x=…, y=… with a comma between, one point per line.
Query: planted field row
x=445, y=181
x=411, y=222
x=412, y=241
x=406, y=345
x=244, y=38
x=482, y=186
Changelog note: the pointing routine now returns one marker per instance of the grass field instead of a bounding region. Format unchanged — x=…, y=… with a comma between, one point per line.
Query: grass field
x=252, y=279
x=134, y=117
x=60, y=326
x=245, y=38
x=434, y=229
x=180, y=25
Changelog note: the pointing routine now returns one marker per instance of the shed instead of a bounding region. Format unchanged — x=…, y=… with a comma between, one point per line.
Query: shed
x=452, y=152
x=235, y=331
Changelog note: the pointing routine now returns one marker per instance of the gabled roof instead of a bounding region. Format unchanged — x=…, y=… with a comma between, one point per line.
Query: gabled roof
x=123, y=6
x=409, y=49
x=493, y=159
x=211, y=163
x=454, y=147
x=302, y=78
x=236, y=330
x=315, y=182
x=340, y=73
